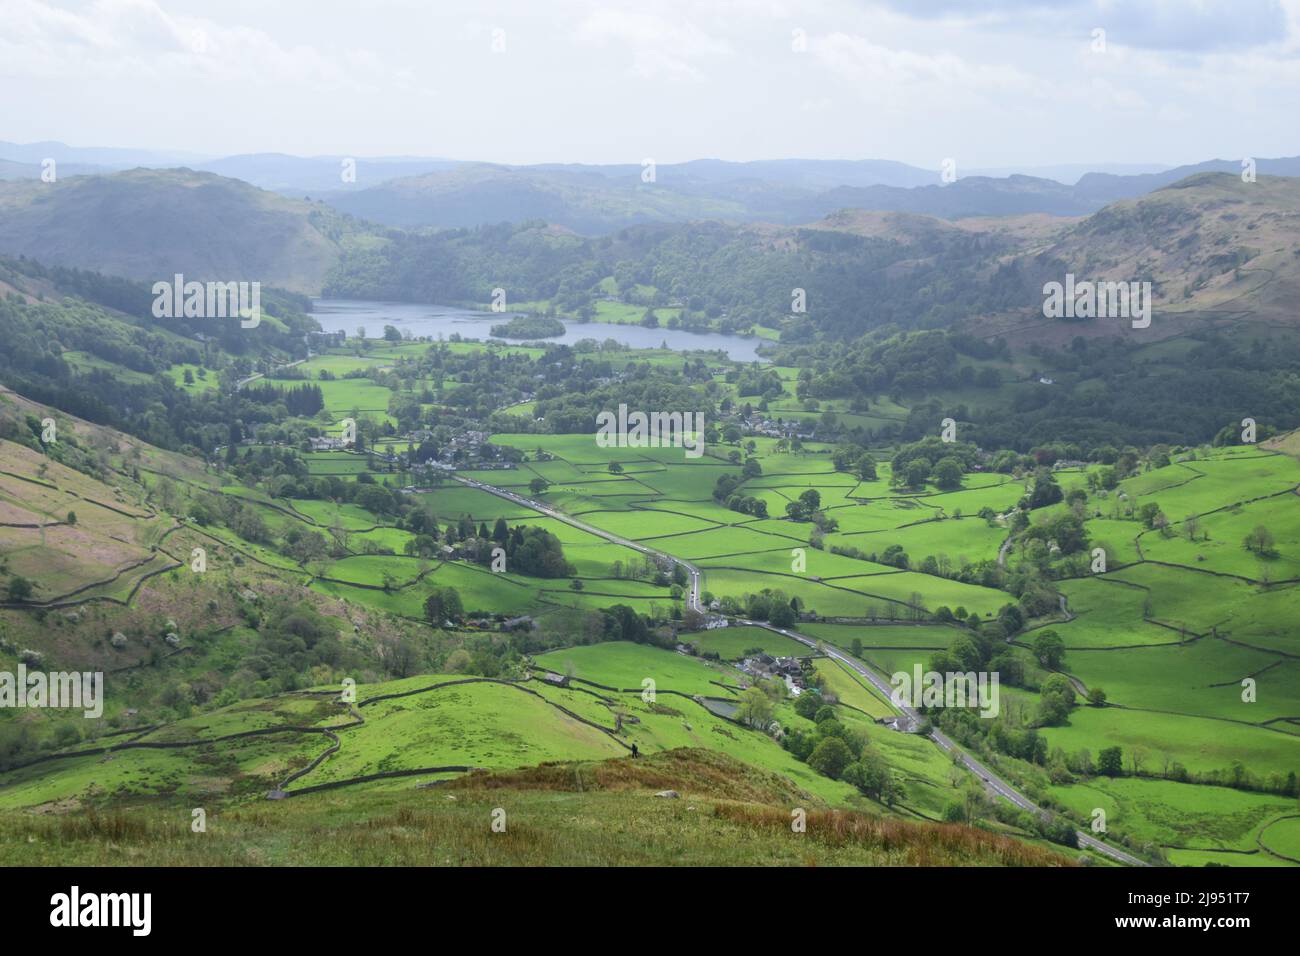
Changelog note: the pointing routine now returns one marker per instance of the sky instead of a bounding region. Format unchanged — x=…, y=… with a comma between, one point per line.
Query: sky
x=988, y=83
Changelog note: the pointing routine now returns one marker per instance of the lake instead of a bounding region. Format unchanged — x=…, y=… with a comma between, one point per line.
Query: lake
x=443, y=321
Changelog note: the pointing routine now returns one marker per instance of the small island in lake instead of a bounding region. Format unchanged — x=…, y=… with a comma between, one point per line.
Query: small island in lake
x=528, y=327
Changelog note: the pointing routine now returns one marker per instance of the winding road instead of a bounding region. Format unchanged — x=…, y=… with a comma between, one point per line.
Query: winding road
x=992, y=782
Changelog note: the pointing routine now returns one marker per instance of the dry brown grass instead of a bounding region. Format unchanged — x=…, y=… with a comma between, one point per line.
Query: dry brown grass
x=1287, y=443
x=705, y=773
x=921, y=844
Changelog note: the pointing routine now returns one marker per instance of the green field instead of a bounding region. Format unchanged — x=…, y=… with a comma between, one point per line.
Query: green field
x=627, y=666
x=852, y=690
x=1182, y=616
x=732, y=643
x=1184, y=818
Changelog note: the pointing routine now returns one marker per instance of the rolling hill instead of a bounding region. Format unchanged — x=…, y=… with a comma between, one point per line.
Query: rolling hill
x=150, y=224
x=1215, y=249
x=582, y=200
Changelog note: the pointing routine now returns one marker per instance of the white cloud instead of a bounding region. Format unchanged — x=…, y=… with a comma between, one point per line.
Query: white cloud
x=591, y=80
x=139, y=39
x=659, y=47
x=900, y=79
x=1189, y=26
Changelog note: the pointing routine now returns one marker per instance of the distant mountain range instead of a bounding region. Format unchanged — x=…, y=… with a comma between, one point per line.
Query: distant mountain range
x=24, y=160
x=594, y=200
x=414, y=192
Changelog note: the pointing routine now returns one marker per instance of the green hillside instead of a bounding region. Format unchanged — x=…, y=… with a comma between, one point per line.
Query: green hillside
x=151, y=224
x=564, y=814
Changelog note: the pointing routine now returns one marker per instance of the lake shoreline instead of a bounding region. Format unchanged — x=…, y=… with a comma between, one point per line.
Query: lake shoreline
x=435, y=322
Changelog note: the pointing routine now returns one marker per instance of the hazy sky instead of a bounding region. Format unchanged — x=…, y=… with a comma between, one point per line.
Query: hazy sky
x=989, y=83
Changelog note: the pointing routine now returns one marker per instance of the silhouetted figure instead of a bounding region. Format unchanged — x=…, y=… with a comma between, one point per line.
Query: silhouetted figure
x=635, y=753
